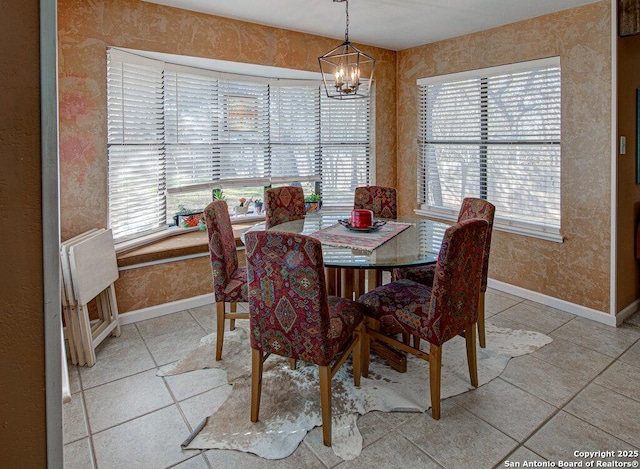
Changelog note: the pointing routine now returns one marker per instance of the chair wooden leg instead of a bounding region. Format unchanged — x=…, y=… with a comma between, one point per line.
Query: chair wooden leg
x=366, y=346
x=324, y=373
x=416, y=342
x=356, y=356
x=256, y=382
x=472, y=359
x=292, y=363
x=481, y=336
x=406, y=338
x=435, y=364
x=220, y=329
x=232, y=322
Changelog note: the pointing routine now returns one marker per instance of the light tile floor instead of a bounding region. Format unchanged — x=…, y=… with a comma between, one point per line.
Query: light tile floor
x=579, y=393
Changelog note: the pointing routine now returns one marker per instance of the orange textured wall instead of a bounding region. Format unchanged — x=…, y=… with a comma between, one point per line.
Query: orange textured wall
x=86, y=29
x=578, y=269
x=22, y=365
x=154, y=285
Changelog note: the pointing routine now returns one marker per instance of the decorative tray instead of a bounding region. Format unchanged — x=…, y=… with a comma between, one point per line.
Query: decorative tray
x=369, y=229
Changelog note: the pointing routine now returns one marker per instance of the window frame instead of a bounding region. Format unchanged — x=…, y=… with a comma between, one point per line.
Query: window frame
x=520, y=226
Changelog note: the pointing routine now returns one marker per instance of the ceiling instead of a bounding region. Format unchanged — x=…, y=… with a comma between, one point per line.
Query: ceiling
x=390, y=24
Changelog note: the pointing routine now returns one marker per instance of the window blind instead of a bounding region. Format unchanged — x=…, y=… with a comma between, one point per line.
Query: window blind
x=295, y=133
x=135, y=147
x=495, y=136
x=191, y=139
x=345, y=148
x=176, y=131
x=244, y=133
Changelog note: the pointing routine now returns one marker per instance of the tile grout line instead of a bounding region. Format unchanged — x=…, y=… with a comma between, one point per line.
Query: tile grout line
x=176, y=402
x=544, y=422
x=562, y=406
x=92, y=447
x=394, y=429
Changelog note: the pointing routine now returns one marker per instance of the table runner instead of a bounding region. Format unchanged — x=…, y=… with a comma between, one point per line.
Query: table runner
x=340, y=236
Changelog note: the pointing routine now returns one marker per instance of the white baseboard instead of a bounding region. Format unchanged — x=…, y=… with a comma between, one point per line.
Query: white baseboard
x=628, y=311
x=582, y=311
x=166, y=308
x=562, y=305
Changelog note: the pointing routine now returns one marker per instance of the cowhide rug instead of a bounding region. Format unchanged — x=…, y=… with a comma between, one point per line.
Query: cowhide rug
x=290, y=405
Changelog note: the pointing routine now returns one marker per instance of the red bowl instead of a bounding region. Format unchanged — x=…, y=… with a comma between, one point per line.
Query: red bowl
x=361, y=218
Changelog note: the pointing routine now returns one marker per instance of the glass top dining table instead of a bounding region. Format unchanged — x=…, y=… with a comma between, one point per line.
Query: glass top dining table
x=419, y=244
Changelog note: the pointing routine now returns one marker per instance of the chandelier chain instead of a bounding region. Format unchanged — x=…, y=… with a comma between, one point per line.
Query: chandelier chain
x=346, y=30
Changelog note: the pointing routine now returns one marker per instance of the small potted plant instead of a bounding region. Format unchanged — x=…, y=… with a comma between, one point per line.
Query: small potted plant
x=217, y=194
x=313, y=203
x=187, y=218
x=243, y=207
x=257, y=206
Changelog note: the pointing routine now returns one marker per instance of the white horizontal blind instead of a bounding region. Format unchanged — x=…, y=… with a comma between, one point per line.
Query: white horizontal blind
x=244, y=133
x=294, y=133
x=497, y=137
x=346, y=149
x=179, y=131
x=135, y=139
x=191, y=123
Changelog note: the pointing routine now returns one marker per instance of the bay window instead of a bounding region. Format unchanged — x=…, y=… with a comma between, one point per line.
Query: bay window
x=175, y=133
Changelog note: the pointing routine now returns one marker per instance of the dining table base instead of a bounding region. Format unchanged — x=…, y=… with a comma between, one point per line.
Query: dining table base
x=395, y=358
x=350, y=283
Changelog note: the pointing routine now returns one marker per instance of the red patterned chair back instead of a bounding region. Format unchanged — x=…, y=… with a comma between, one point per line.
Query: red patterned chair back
x=283, y=204
x=480, y=208
x=288, y=305
x=381, y=200
x=222, y=245
x=456, y=285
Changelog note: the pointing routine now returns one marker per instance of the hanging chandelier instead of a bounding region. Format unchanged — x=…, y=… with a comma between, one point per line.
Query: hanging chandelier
x=347, y=72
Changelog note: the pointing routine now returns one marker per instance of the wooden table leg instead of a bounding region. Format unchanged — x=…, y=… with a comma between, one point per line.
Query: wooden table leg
x=359, y=284
x=374, y=279
x=333, y=281
x=348, y=283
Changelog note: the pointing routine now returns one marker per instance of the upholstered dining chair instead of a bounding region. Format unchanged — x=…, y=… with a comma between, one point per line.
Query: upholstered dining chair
x=382, y=201
x=229, y=280
x=379, y=199
x=292, y=315
x=435, y=313
x=283, y=204
x=471, y=208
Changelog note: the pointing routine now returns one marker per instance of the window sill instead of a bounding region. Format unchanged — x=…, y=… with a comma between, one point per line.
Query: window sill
x=135, y=243
x=173, y=243
x=499, y=225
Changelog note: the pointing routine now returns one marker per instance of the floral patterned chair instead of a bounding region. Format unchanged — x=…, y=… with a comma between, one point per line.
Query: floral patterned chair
x=471, y=208
x=291, y=314
x=283, y=204
x=229, y=280
x=437, y=313
x=381, y=200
